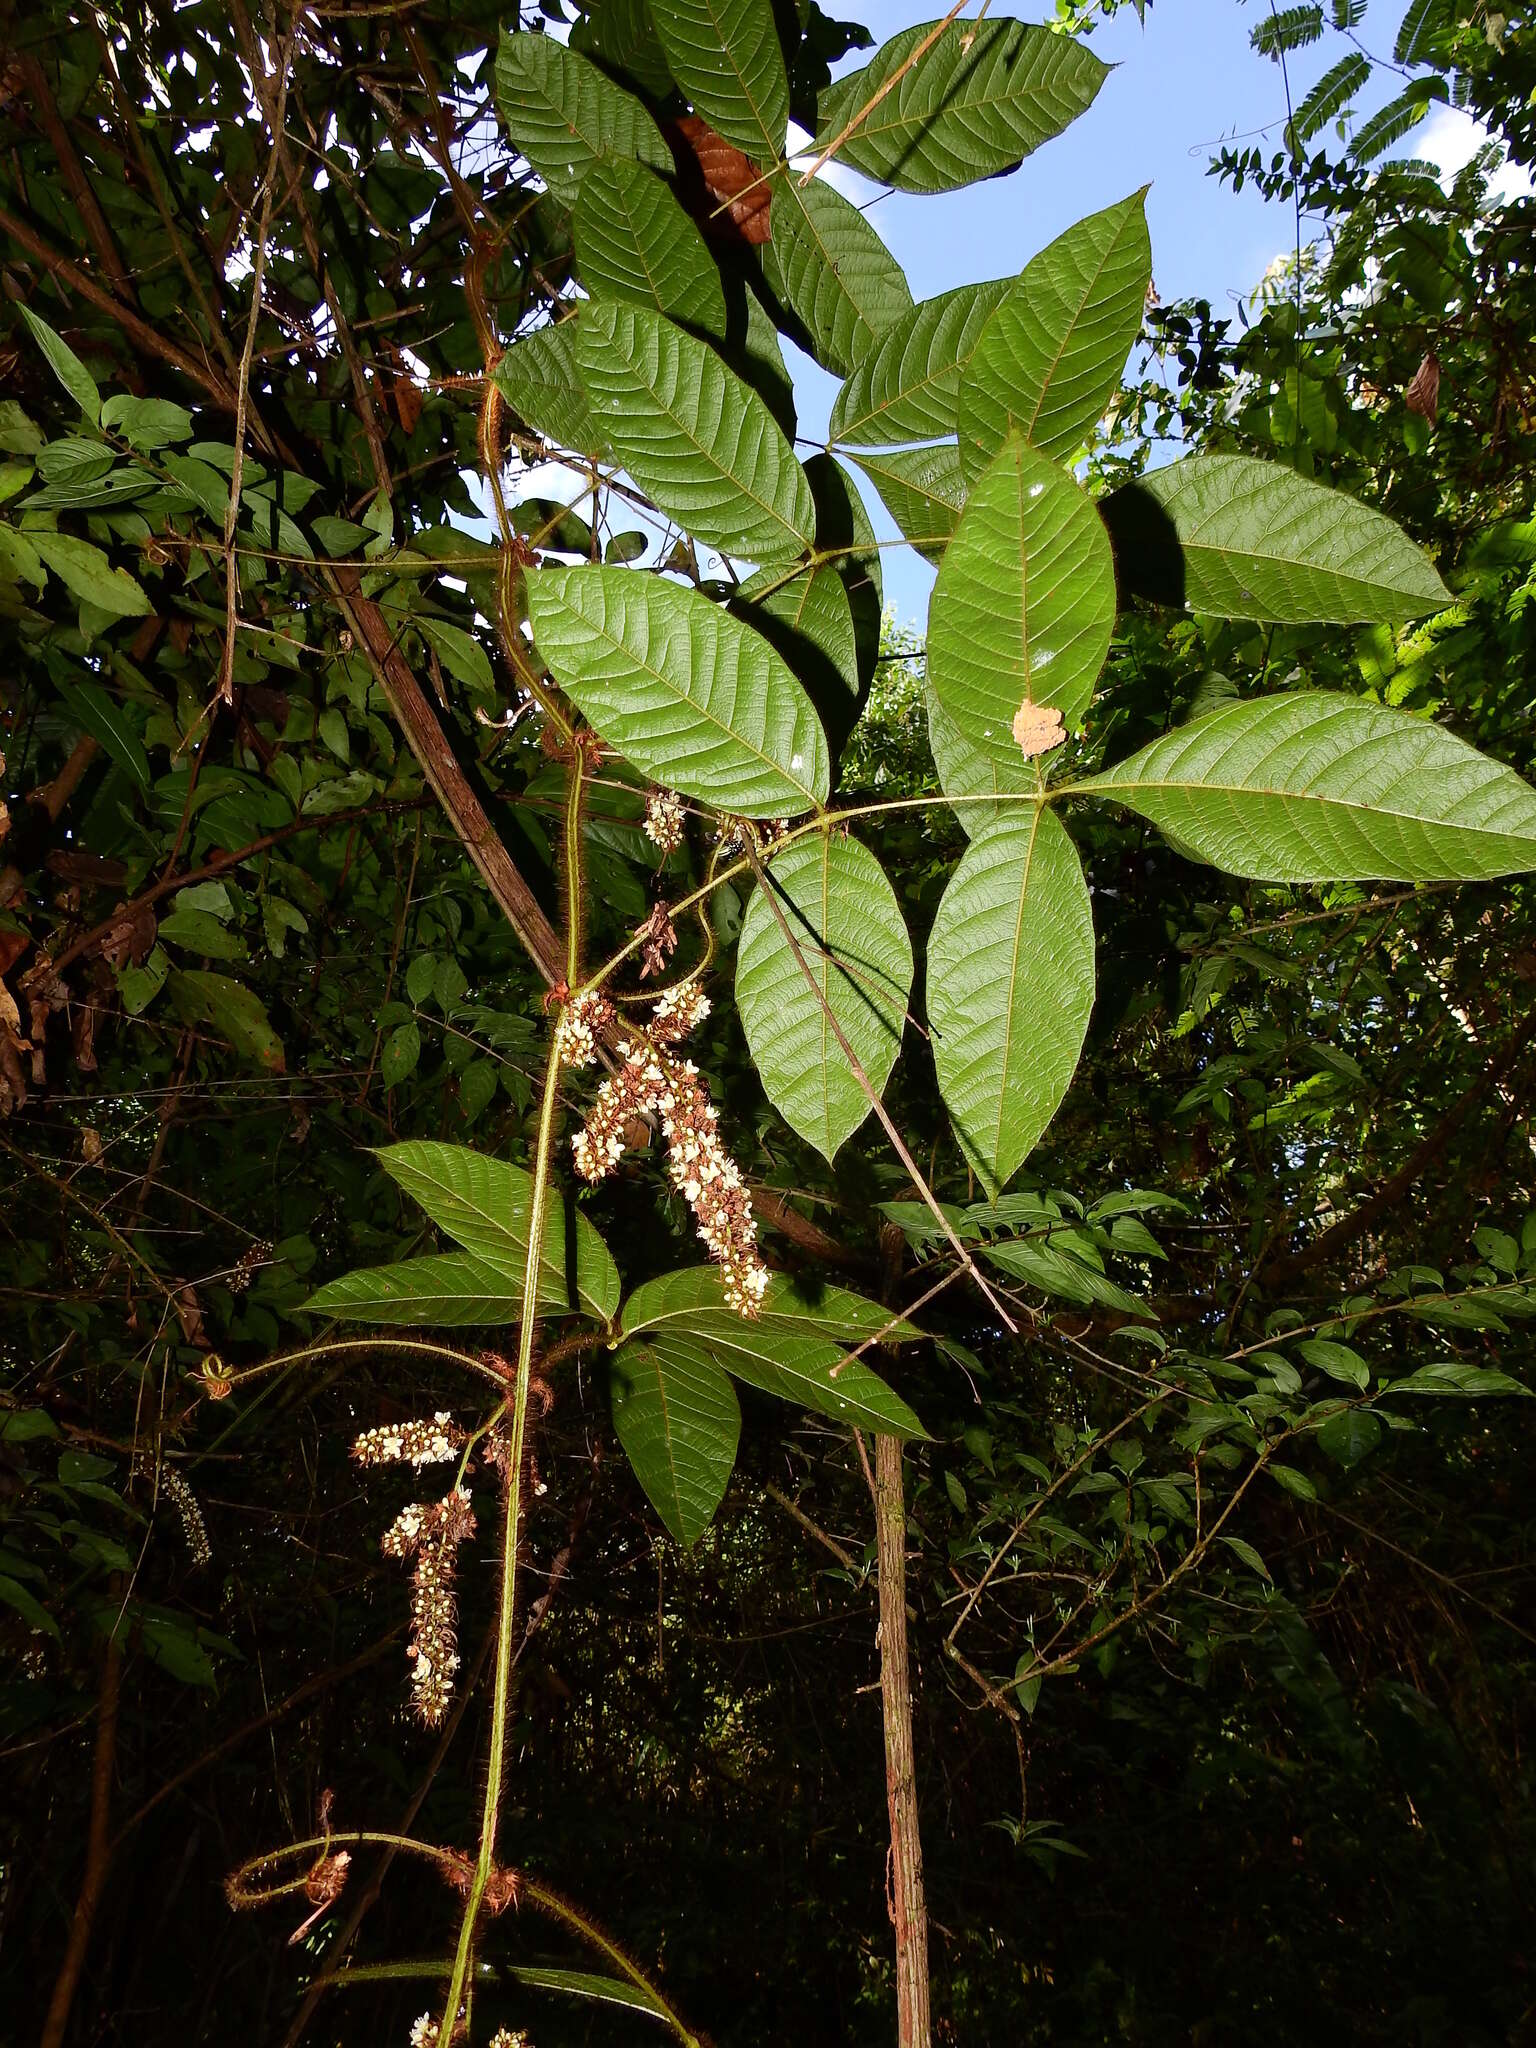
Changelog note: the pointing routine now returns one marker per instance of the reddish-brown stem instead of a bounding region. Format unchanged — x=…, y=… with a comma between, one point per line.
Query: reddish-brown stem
x=97, y=1850
x=905, y=1895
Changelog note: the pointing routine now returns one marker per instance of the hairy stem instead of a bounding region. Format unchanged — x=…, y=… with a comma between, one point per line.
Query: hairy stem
x=905, y=1895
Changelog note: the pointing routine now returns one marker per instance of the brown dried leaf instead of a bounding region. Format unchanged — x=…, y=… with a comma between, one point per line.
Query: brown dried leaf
x=728, y=175
x=1423, y=393
x=1037, y=728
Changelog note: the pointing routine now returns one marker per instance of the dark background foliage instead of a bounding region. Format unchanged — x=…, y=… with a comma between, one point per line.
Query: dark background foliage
x=1282, y=1804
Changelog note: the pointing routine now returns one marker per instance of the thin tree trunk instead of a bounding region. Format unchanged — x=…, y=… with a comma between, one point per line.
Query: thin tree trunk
x=904, y=1886
x=97, y=1851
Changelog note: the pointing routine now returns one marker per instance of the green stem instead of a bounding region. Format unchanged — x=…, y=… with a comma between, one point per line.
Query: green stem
x=495, y=1772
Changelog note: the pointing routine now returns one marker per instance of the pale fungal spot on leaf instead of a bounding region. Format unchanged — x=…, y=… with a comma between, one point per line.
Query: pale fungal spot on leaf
x=1037, y=728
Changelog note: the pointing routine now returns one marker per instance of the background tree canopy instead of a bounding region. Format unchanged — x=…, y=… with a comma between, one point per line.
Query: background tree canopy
x=1214, y=1645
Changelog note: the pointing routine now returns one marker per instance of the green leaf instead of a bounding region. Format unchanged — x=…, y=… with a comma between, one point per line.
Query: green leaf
x=563, y=113
x=1024, y=603
x=66, y=366
x=679, y=1421
x=582, y=1984
x=109, y=725
x=621, y=33
x=1244, y=1550
x=538, y=377
x=1349, y=1436
x=231, y=1011
x=1055, y=1271
x=725, y=55
x=1469, y=1382
x=86, y=572
x=460, y=652
x=1337, y=1361
x=1052, y=354
x=1294, y=1482
x=810, y=621
x=439, y=1291
x=1253, y=540
x=907, y=388
x=922, y=489
x=973, y=105
x=790, y=1350
x=31, y=1610
x=842, y=524
x=1010, y=986
x=1319, y=787
x=634, y=242
x=402, y=1049
x=693, y=698
x=844, y=916
x=834, y=272
x=147, y=422
x=483, y=1204
x=963, y=772
x=697, y=440
x=1328, y=98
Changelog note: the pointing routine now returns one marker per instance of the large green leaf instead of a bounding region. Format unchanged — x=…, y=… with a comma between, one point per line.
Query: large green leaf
x=810, y=621
x=622, y=34
x=484, y=1203
x=436, y=1292
x=690, y=695
x=540, y=381
x=1023, y=606
x=725, y=55
x=692, y=1297
x=907, y=387
x=693, y=435
x=1010, y=986
x=1055, y=1271
x=89, y=576
x=563, y=113
x=634, y=241
x=1253, y=540
x=922, y=489
x=1053, y=353
x=679, y=1422
x=833, y=271
x=974, y=104
x=1319, y=787
x=963, y=772
x=844, y=916
x=790, y=1350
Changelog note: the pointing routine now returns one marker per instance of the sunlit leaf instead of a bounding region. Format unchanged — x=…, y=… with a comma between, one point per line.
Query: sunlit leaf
x=907, y=387
x=1253, y=540
x=843, y=914
x=1318, y=787
x=563, y=113
x=1010, y=987
x=1052, y=354
x=725, y=55
x=1024, y=603
x=922, y=489
x=693, y=435
x=634, y=242
x=679, y=1421
x=974, y=104
x=833, y=271
x=694, y=698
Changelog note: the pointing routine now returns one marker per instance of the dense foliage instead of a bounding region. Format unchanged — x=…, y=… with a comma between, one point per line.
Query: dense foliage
x=1189, y=1252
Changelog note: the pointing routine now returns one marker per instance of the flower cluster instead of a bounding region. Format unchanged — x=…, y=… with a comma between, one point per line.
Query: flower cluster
x=505, y=2037
x=411, y=1443
x=680, y=1010
x=650, y=1082
x=193, y=1527
x=581, y=1023
x=710, y=1181
x=664, y=820
x=632, y=1091
x=432, y=1532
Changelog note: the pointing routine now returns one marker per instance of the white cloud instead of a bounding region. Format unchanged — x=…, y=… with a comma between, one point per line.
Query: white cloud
x=1449, y=139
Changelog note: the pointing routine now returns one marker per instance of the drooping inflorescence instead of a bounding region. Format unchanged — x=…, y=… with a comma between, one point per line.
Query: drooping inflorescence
x=431, y=1532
